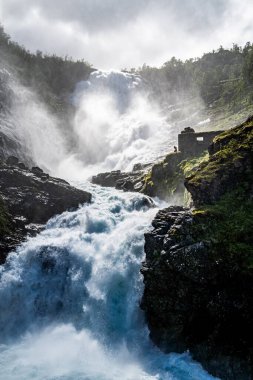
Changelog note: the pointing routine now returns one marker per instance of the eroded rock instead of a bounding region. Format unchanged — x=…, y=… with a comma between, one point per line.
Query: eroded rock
x=30, y=198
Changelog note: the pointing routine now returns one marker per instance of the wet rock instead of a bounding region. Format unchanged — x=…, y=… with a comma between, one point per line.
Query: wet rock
x=127, y=181
x=198, y=277
x=31, y=198
x=21, y=165
x=196, y=298
x=12, y=160
x=36, y=170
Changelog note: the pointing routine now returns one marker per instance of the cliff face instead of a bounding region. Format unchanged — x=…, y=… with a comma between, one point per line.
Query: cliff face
x=28, y=199
x=163, y=179
x=198, y=270
x=229, y=166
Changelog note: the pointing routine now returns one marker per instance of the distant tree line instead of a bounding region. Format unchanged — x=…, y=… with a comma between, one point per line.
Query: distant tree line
x=224, y=76
x=221, y=77
x=48, y=73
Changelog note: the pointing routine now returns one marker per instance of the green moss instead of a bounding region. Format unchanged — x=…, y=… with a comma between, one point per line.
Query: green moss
x=190, y=166
x=165, y=179
x=231, y=147
x=228, y=226
x=198, y=212
x=244, y=130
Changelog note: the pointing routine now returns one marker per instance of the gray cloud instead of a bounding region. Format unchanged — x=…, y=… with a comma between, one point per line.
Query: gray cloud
x=125, y=33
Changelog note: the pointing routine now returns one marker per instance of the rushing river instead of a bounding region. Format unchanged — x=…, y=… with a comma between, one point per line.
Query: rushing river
x=69, y=299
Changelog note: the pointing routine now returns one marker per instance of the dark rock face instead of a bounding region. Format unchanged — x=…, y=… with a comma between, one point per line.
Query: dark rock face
x=196, y=300
x=31, y=198
x=127, y=181
x=163, y=179
x=198, y=270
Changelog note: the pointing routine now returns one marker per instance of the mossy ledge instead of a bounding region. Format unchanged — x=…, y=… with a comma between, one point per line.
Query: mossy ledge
x=198, y=272
x=229, y=166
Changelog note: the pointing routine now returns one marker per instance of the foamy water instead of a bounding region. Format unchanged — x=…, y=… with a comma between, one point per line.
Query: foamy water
x=69, y=299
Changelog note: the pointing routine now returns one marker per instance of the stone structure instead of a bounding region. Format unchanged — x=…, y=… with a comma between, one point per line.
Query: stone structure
x=192, y=143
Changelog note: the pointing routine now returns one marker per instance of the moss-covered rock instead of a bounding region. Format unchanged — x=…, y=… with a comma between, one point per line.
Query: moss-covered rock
x=165, y=179
x=198, y=271
x=230, y=165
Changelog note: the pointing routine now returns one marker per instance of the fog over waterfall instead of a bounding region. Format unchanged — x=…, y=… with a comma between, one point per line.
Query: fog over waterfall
x=70, y=296
x=126, y=197
x=115, y=125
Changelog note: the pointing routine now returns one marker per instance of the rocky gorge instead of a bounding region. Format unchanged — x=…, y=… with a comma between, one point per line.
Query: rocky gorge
x=74, y=292
x=198, y=269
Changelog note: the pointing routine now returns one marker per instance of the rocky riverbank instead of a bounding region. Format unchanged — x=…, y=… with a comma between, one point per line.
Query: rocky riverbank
x=163, y=179
x=28, y=199
x=198, y=270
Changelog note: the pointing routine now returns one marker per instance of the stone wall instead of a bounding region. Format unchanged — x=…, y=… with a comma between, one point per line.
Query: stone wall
x=192, y=143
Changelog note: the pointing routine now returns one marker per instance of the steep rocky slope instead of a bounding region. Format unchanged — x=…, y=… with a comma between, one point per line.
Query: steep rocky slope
x=198, y=271
x=28, y=199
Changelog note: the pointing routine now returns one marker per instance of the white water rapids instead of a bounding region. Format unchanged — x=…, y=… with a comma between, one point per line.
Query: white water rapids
x=69, y=300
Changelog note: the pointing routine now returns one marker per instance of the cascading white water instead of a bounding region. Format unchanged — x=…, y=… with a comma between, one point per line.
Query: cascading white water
x=116, y=124
x=69, y=300
x=29, y=124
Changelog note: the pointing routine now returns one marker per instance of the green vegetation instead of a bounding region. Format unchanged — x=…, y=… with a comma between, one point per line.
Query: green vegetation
x=228, y=226
x=190, y=166
x=232, y=151
x=222, y=77
x=166, y=178
x=221, y=188
x=47, y=73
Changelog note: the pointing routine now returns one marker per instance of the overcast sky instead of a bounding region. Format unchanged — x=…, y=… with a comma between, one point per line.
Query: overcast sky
x=127, y=33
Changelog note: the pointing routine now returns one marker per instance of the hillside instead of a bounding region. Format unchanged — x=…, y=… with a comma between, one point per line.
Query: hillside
x=198, y=270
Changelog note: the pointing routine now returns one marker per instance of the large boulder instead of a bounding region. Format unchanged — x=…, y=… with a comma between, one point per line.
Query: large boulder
x=29, y=198
x=127, y=181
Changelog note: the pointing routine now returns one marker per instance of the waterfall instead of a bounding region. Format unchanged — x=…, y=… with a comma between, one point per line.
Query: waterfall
x=33, y=132
x=116, y=123
x=69, y=299
x=114, y=126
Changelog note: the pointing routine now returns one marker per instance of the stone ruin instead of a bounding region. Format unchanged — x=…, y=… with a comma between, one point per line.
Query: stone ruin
x=192, y=143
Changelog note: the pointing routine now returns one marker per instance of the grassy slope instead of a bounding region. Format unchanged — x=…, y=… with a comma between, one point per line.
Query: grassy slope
x=227, y=223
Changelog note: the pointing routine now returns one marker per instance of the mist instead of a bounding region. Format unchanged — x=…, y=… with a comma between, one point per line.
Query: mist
x=115, y=123
x=36, y=134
